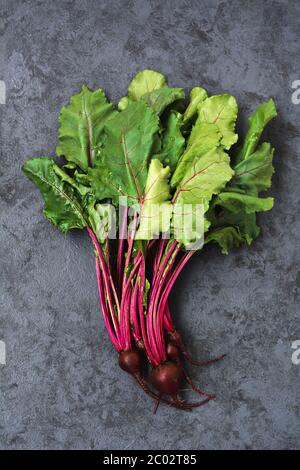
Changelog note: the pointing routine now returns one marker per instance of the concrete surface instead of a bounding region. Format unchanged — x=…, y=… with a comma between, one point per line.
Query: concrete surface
x=60, y=387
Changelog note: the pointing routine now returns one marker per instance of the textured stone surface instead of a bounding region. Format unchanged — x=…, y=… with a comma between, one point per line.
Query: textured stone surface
x=61, y=387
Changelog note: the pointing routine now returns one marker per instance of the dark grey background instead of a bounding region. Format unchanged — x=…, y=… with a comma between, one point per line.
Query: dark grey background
x=61, y=387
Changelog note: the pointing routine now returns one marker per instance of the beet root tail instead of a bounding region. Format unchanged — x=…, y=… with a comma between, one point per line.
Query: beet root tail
x=177, y=341
x=201, y=363
x=196, y=389
x=184, y=405
x=157, y=405
x=158, y=398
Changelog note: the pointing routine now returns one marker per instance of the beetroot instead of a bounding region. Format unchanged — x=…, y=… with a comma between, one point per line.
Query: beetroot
x=121, y=166
x=167, y=378
x=130, y=361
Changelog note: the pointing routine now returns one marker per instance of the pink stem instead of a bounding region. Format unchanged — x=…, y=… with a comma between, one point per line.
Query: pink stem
x=130, y=246
x=126, y=315
x=106, y=280
x=172, y=280
x=114, y=293
x=162, y=308
x=151, y=338
x=150, y=353
x=125, y=304
x=159, y=315
x=134, y=310
x=153, y=321
x=121, y=247
x=159, y=255
x=141, y=309
x=138, y=261
x=111, y=282
x=161, y=274
x=168, y=324
x=109, y=328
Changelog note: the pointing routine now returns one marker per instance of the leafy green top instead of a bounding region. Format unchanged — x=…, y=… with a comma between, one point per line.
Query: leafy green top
x=155, y=150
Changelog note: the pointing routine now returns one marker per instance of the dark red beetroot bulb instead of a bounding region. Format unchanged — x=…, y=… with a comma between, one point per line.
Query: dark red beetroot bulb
x=167, y=378
x=130, y=361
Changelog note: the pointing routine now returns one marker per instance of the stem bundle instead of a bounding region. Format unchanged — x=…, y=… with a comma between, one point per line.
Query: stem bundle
x=136, y=312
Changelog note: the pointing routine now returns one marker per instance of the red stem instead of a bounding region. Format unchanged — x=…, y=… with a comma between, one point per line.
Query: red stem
x=142, y=314
x=168, y=324
x=173, y=278
x=134, y=309
x=126, y=316
x=125, y=304
x=130, y=246
x=159, y=313
x=107, y=280
x=121, y=247
x=158, y=256
x=153, y=318
x=109, y=328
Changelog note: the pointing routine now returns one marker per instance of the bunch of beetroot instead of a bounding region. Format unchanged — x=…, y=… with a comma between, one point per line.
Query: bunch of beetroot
x=152, y=182
x=139, y=331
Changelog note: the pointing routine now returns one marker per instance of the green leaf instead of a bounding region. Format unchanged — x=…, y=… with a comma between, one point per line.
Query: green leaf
x=160, y=99
x=237, y=205
x=156, y=147
x=83, y=179
x=151, y=87
x=197, y=96
x=144, y=82
x=237, y=202
x=81, y=127
x=70, y=166
x=122, y=166
x=173, y=142
x=82, y=190
x=227, y=238
x=102, y=220
x=62, y=205
x=239, y=211
x=257, y=123
x=155, y=212
x=157, y=188
x=254, y=174
x=123, y=103
x=133, y=152
x=220, y=110
x=244, y=223
x=202, y=179
x=189, y=224
x=203, y=138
